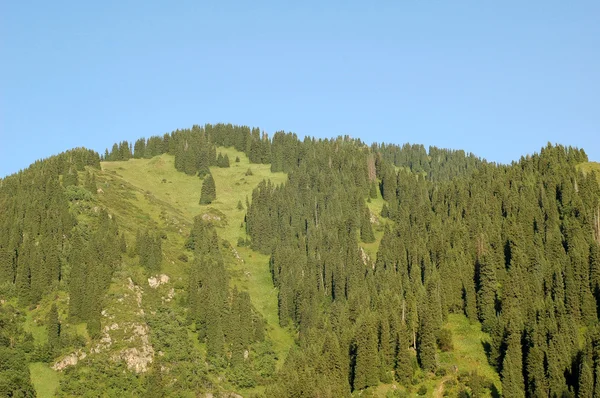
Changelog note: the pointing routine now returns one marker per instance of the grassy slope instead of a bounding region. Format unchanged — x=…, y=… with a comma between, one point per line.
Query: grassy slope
x=375, y=207
x=589, y=167
x=468, y=356
x=44, y=379
x=150, y=193
x=177, y=195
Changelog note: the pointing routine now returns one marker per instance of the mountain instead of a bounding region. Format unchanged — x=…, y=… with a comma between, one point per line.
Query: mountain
x=218, y=260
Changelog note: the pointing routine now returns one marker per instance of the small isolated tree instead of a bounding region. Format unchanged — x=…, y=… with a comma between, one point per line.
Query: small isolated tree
x=444, y=340
x=240, y=206
x=209, y=191
x=53, y=327
x=222, y=161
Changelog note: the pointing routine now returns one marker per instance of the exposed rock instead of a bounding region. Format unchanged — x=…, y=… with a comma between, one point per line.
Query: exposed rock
x=99, y=190
x=70, y=360
x=365, y=257
x=114, y=326
x=169, y=297
x=374, y=219
x=210, y=217
x=137, y=290
x=104, y=343
x=156, y=281
x=236, y=254
x=137, y=359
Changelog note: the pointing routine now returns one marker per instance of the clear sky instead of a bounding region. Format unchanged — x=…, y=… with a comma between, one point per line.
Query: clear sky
x=497, y=78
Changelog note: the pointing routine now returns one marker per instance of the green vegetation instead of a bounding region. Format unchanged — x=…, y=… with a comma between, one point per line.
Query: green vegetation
x=468, y=354
x=44, y=379
x=590, y=167
x=249, y=271
x=307, y=268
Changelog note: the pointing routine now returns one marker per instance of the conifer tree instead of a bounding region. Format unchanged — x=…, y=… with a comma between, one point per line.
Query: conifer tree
x=53, y=327
x=426, y=346
x=367, y=361
x=139, y=148
x=373, y=190
x=512, y=368
x=70, y=178
x=208, y=193
x=486, y=294
x=404, y=370
x=366, y=230
x=6, y=266
x=585, y=386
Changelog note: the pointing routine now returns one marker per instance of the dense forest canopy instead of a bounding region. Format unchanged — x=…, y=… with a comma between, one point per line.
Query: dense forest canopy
x=515, y=248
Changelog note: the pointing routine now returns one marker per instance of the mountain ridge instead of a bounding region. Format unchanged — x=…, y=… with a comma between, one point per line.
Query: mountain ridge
x=312, y=251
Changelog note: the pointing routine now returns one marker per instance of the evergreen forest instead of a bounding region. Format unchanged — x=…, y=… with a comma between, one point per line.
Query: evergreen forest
x=219, y=261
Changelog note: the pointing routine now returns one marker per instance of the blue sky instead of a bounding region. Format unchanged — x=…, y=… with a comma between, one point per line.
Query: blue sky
x=499, y=79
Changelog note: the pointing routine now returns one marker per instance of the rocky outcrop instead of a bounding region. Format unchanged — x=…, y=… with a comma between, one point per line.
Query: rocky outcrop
x=137, y=359
x=156, y=281
x=69, y=360
x=136, y=290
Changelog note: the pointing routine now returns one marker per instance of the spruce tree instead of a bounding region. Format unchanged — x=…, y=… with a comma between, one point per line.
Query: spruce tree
x=486, y=294
x=53, y=328
x=585, y=387
x=366, y=372
x=512, y=368
x=366, y=230
x=208, y=193
x=404, y=369
x=426, y=346
x=373, y=190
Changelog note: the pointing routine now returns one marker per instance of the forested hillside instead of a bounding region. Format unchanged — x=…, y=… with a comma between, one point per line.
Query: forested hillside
x=220, y=260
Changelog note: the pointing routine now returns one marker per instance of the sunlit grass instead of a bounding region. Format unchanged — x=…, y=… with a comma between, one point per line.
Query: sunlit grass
x=169, y=200
x=40, y=336
x=589, y=167
x=468, y=354
x=44, y=380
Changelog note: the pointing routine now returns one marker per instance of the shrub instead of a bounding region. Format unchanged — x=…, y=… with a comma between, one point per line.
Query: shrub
x=444, y=340
x=74, y=192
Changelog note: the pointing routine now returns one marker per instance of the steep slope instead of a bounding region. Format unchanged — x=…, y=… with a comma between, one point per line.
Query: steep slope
x=172, y=195
x=437, y=273
x=149, y=194
x=590, y=167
